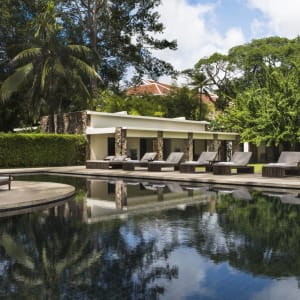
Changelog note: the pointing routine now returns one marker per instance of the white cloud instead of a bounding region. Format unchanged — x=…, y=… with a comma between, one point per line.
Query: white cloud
x=192, y=270
x=279, y=289
x=189, y=25
x=194, y=26
x=281, y=17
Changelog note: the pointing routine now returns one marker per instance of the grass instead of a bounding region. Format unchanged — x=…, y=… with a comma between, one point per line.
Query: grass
x=257, y=167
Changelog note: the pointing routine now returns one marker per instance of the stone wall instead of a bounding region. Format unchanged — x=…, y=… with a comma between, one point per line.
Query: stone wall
x=75, y=122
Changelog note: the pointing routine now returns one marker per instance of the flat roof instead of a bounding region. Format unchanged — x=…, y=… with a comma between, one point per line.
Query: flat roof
x=108, y=130
x=126, y=116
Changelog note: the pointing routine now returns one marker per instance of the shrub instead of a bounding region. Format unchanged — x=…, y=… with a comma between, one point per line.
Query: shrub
x=36, y=150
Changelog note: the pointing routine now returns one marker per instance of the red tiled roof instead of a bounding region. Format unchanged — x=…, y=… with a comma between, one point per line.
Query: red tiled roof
x=150, y=87
x=208, y=98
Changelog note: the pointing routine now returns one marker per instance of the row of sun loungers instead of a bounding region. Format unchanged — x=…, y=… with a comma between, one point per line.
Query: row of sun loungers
x=287, y=164
x=174, y=161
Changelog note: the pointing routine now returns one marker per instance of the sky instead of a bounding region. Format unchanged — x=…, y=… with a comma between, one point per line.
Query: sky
x=203, y=27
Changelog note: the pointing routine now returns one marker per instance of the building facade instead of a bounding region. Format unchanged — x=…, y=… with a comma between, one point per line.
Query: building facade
x=122, y=134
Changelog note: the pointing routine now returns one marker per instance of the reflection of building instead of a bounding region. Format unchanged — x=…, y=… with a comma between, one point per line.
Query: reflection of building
x=116, y=198
x=285, y=197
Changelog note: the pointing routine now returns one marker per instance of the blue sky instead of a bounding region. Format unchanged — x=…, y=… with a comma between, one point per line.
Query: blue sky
x=202, y=27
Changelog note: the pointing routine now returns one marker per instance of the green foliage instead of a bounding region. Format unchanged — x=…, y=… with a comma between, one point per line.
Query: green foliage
x=180, y=103
x=34, y=150
x=51, y=64
x=51, y=49
x=269, y=230
x=259, y=90
x=123, y=34
x=269, y=114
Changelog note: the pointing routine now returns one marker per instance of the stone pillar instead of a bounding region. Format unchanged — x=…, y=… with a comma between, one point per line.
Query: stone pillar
x=124, y=141
x=213, y=145
x=120, y=141
x=121, y=194
x=160, y=194
x=158, y=145
x=188, y=147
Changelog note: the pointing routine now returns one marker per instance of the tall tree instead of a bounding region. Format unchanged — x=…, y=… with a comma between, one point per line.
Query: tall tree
x=15, y=36
x=123, y=33
x=258, y=85
x=50, y=68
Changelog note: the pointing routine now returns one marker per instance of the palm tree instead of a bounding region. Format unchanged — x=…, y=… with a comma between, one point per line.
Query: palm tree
x=52, y=70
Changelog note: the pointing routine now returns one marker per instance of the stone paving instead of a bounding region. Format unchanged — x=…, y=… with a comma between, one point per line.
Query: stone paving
x=24, y=194
x=292, y=182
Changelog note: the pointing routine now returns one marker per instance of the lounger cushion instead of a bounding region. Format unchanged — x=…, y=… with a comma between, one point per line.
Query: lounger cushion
x=120, y=158
x=149, y=156
x=110, y=157
x=206, y=157
x=175, y=157
x=289, y=157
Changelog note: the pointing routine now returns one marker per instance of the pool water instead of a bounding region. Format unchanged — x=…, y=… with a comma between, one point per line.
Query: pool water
x=121, y=239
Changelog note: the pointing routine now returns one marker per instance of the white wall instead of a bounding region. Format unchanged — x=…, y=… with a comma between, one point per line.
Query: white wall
x=98, y=144
x=104, y=120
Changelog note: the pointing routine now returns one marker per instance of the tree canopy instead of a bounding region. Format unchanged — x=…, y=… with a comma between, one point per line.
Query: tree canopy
x=37, y=47
x=258, y=85
x=182, y=102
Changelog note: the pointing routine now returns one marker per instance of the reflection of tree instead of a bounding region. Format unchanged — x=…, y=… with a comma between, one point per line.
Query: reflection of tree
x=130, y=262
x=261, y=236
x=46, y=257
x=55, y=256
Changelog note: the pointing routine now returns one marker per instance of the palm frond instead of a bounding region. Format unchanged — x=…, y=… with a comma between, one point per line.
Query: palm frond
x=85, y=68
x=80, y=50
x=87, y=263
x=27, y=55
x=15, y=81
x=16, y=251
x=81, y=85
x=59, y=68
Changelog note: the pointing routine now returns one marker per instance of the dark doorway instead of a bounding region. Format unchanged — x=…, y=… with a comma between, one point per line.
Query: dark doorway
x=143, y=147
x=111, y=146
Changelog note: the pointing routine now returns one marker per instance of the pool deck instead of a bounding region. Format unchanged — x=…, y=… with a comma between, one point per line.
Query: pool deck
x=32, y=193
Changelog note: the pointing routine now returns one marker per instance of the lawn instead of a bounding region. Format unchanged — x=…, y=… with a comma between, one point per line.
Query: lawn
x=257, y=167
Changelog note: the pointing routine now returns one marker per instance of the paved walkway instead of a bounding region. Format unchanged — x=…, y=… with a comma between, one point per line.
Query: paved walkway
x=32, y=193
x=240, y=179
x=25, y=194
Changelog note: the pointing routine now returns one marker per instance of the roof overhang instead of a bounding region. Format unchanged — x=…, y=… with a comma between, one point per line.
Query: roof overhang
x=175, y=134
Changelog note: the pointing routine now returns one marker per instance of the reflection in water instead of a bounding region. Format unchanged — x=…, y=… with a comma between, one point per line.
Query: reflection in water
x=176, y=242
x=120, y=196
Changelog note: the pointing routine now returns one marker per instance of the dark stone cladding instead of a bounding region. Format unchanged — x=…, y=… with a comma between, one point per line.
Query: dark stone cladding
x=72, y=123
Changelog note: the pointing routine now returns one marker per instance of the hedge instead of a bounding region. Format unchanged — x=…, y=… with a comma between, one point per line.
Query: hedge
x=37, y=150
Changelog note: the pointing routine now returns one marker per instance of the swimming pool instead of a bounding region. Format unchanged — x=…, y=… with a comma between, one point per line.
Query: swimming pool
x=121, y=239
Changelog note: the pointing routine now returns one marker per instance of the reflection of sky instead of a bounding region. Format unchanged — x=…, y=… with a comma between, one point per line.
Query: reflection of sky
x=200, y=278
x=3, y=265
x=279, y=289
